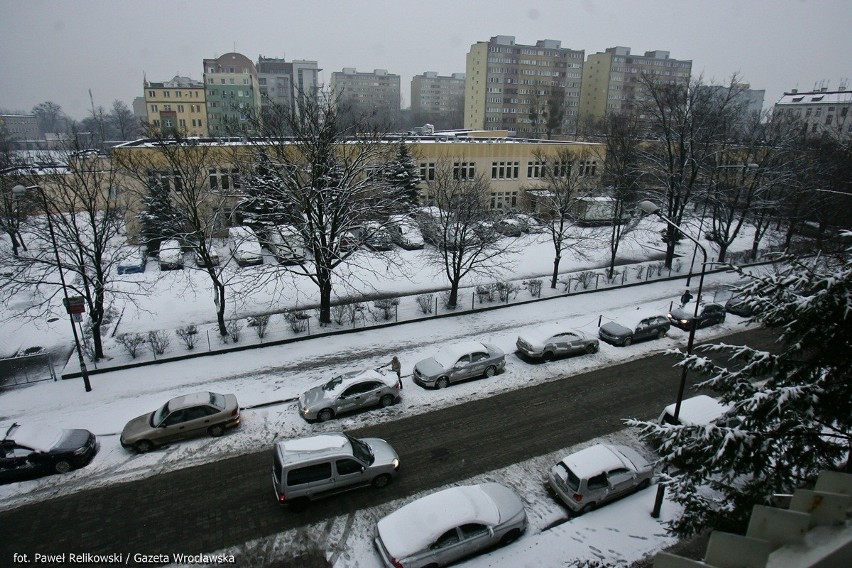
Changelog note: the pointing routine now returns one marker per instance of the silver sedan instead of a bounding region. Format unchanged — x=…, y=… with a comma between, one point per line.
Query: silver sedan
x=349, y=392
x=459, y=362
x=446, y=526
x=554, y=340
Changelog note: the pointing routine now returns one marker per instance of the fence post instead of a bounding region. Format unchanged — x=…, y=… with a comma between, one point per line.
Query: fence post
x=436, y=305
x=600, y=317
x=396, y=313
x=309, y=326
x=208, y=341
x=623, y=275
x=597, y=279
x=473, y=300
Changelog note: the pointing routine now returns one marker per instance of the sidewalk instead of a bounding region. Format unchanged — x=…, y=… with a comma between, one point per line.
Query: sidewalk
x=298, y=325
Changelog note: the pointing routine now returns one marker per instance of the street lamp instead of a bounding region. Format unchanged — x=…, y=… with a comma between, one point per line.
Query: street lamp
x=652, y=209
x=18, y=191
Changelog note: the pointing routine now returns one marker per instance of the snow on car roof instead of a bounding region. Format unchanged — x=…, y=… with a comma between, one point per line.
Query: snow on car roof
x=698, y=410
x=448, y=355
x=542, y=333
x=358, y=376
x=189, y=400
x=36, y=436
x=319, y=443
x=593, y=461
x=414, y=526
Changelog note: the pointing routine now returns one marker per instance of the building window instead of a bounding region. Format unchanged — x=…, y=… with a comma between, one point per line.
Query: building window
x=182, y=123
x=536, y=170
x=167, y=122
x=588, y=168
x=224, y=178
x=180, y=108
x=166, y=94
x=464, y=170
x=505, y=170
x=152, y=94
x=427, y=171
x=167, y=108
x=154, y=108
x=170, y=181
x=562, y=169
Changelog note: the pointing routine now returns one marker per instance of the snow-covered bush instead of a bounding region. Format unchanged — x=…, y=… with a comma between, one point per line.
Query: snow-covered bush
x=131, y=343
x=298, y=320
x=425, y=303
x=534, y=287
x=159, y=341
x=188, y=335
x=260, y=324
x=385, y=309
x=234, y=327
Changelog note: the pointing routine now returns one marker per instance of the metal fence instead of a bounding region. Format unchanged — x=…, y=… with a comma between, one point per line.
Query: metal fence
x=26, y=369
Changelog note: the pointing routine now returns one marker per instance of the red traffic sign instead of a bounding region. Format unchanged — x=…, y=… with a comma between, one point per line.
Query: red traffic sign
x=75, y=304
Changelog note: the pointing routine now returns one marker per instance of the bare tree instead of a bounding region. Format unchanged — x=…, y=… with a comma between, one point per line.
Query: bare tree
x=79, y=210
x=328, y=181
x=459, y=224
x=565, y=177
x=50, y=117
x=689, y=124
x=622, y=174
x=10, y=218
x=199, y=188
x=747, y=174
x=124, y=124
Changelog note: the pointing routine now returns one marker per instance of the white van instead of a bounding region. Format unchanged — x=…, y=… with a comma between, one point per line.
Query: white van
x=285, y=242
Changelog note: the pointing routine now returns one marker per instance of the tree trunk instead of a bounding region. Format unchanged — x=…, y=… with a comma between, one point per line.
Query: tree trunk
x=325, y=302
x=670, y=245
x=219, y=296
x=723, y=250
x=454, y=294
x=97, y=341
x=555, y=276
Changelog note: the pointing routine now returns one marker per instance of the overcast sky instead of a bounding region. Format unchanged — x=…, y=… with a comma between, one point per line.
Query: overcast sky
x=57, y=50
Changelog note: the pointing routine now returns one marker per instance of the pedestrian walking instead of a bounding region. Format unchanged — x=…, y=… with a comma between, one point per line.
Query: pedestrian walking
x=685, y=299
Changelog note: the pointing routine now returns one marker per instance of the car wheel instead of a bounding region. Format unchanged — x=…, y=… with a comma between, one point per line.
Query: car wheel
x=547, y=356
x=588, y=507
x=661, y=334
x=628, y=342
x=645, y=484
x=510, y=537
x=386, y=400
x=325, y=415
x=490, y=371
x=216, y=430
x=591, y=348
x=442, y=383
x=62, y=466
x=144, y=446
x=381, y=481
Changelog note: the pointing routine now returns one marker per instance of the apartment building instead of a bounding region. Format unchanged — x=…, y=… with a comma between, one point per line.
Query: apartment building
x=821, y=111
x=19, y=128
x=438, y=97
x=232, y=92
x=531, y=90
x=612, y=80
x=377, y=92
x=281, y=82
x=178, y=104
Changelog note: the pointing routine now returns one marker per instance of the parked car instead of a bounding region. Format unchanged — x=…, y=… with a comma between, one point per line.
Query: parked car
x=531, y=223
x=509, y=226
x=182, y=417
x=698, y=410
x=305, y=469
x=348, y=392
x=555, y=340
x=245, y=247
x=171, y=255
x=708, y=314
x=211, y=252
x=454, y=523
x=739, y=306
x=376, y=236
x=348, y=242
x=30, y=450
x=459, y=362
x=132, y=260
x=598, y=474
x=405, y=232
x=638, y=327
x=286, y=243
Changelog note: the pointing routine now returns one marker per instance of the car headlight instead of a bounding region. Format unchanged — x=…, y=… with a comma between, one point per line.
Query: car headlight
x=684, y=322
x=395, y=463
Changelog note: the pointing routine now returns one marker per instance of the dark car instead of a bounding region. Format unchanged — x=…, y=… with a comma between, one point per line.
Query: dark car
x=638, y=328
x=708, y=314
x=33, y=450
x=738, y=306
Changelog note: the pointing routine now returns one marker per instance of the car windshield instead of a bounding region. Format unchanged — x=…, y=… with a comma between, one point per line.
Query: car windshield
x=361, y=450
x=159, y=415
x=446, y=358
x=571, y=480
x=332, y=384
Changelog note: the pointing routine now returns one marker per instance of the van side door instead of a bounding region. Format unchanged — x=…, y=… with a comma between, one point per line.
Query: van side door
x=348, y=472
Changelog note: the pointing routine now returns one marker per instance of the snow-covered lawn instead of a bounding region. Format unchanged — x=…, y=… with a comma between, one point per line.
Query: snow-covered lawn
x=279, y=373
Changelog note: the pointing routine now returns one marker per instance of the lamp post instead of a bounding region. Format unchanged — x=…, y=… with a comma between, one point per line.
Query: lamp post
x=19, y=190
x=651, y=208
